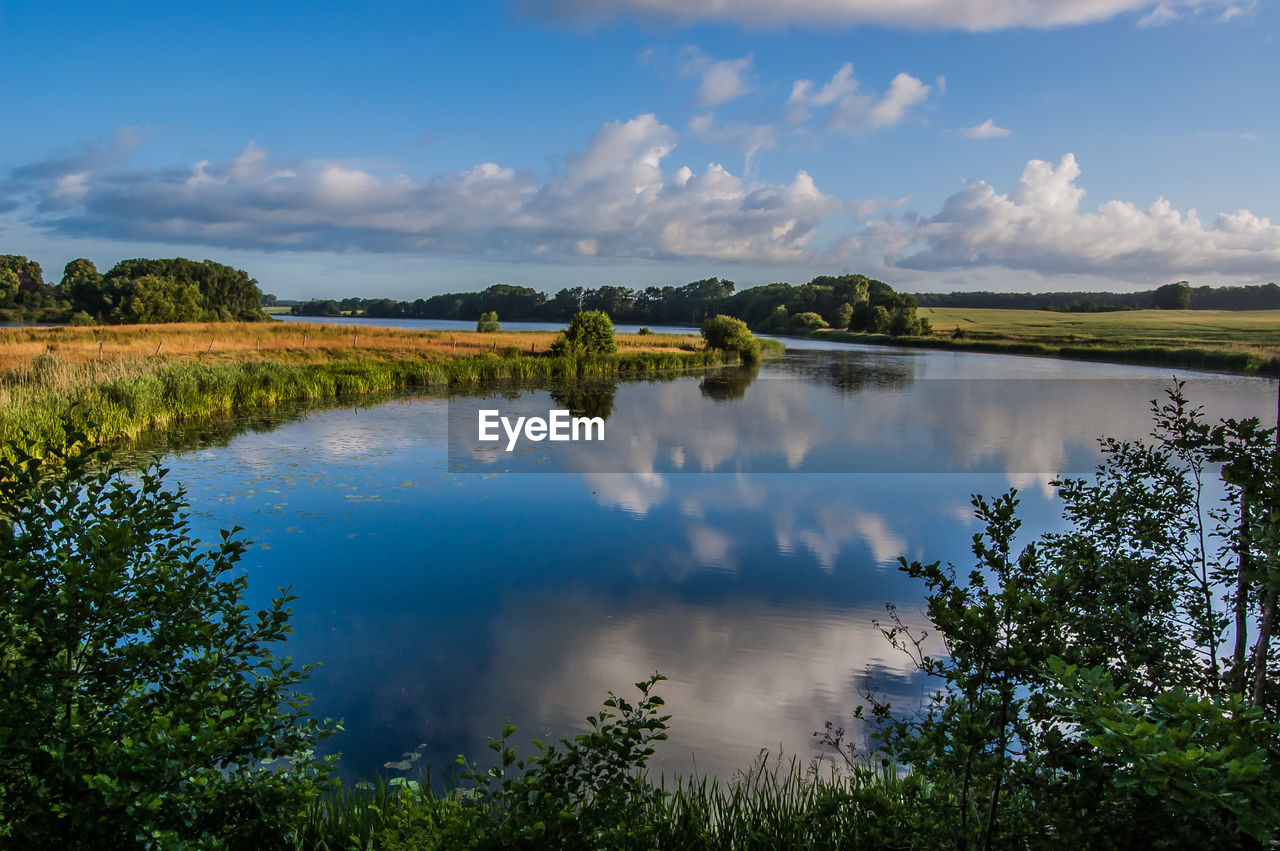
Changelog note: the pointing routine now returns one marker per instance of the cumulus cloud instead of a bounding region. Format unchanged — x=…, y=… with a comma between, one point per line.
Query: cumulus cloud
x=851, y=111
x=973, y=16
x=613, y=199
x=749, y=138
x=986, y=130
x=1039, y=226
x=721, y=80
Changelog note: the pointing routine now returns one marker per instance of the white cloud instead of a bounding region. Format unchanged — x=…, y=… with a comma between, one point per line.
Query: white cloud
x=749, y=138
x=1039, y=226
x=986, y=130
x=721, y=80
x=613, y=199
x=853, y=112
x=972, y=15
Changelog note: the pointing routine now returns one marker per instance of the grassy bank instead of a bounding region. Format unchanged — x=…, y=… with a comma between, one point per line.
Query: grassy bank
x=155, y=376
x=1223, y=341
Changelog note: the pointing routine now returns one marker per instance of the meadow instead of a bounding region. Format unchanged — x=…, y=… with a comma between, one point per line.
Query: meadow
x=1236, y=330
x=117, y=382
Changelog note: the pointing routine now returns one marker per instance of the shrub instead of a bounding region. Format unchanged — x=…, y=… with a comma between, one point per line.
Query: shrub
x=803, y=322
x=879, y=321
x=488, y=322
x=844, y=315
x=590, y=332
x=142, y=701
x=80, y=318
x=644, y=331
x=729, y=334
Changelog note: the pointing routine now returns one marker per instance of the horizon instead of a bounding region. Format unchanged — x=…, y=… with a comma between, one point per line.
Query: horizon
x=402, y=152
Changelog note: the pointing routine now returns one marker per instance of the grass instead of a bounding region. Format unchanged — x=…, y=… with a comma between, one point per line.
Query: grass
x=1254, y=330
x=153, y=377
x=1218, y=340
x=767, y=806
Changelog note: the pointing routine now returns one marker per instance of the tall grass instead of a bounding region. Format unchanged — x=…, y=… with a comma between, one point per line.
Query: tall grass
x=122, y=398
x=768, y=806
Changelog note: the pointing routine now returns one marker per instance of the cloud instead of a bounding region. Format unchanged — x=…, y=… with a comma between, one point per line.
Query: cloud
x=972, y=16
x=613, y=199
x=722, y=80
x=1039, y=226
x=853, y=112
x=749, y=138
x=986, y=130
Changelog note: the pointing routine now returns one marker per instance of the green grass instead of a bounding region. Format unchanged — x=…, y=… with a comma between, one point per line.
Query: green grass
x=122, y=399
x=1258, y=329
x=766, y=806
x=1218, y=340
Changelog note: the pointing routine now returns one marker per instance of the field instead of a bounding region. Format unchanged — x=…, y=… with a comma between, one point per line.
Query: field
x=119, y=381
x=280, y=341
x=1255, y=331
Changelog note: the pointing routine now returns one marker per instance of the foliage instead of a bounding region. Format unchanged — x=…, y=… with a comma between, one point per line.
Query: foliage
x=80, y=319
x=589, y=333
x=143, y=703
x=152, y=299
x=1172, y=297
x=731, y=335
x=1108, y=669
x=488, y=323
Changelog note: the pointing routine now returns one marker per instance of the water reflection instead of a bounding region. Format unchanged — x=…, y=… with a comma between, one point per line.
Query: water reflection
x=441, y=601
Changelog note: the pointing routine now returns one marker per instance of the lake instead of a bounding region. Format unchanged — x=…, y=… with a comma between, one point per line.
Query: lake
x=738, y=533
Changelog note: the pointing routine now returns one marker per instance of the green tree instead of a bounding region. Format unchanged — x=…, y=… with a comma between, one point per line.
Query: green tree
x=1123, y=667
x=731, y=335
x=590, y=332
x=153, y=299
x=1172, y=297
x=9, y=284
x=843, y=315
x=488, y=322
x=143, y=705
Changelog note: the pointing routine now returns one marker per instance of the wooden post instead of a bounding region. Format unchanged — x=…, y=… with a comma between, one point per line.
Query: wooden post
x=206, y=351
x=304, y=339
x=99, y=350
x=158, y=345
x=355, y=340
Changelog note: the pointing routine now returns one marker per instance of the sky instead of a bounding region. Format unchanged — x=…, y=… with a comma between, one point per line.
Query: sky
x=401, y=150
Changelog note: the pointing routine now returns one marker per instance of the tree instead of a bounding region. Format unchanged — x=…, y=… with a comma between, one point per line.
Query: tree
x=1123, y=667
x=9, y=285
x=82, y=285
x=843, y=316
x=488, y=322
x=731, y=335
x=152, y=299
x=1172, y=297
x=143, y=704
x=590, y=332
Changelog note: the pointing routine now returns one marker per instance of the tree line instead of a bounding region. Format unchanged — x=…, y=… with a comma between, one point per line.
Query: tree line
x=1176, y=296
x=853, y=302
x=132, y=291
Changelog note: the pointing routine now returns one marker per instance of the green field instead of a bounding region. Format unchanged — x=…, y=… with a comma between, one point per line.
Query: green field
x=1256, y=330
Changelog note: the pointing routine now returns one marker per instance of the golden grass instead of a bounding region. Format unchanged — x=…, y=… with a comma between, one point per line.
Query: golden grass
x=285, y=341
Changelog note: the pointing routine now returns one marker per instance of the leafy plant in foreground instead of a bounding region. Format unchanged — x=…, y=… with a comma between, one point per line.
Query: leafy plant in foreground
x=141, y=702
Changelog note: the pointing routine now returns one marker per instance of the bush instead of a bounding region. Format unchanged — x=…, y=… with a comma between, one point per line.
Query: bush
x=80, y=319
x=731, y=335
x=644, y=331
x=844, y=315
x=803, y=322
x=590, y=332
x=142, y=702
x=879, y=322
x=488, y=322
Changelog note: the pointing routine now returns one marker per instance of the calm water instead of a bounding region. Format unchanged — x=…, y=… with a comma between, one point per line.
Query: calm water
x=740, y=536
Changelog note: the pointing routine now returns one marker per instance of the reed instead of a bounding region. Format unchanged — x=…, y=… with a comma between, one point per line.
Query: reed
x=121, y=398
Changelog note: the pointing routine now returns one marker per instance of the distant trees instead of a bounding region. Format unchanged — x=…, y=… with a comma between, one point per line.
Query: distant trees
x=23, y=292
x=1172, y=297
x=153, y=299
x=589, y=333
x=488, y=322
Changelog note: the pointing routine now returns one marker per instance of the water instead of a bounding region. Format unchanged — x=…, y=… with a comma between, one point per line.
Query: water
x=740, y=536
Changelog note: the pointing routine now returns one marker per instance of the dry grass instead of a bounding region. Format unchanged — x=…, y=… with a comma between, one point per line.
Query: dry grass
x=280, y=341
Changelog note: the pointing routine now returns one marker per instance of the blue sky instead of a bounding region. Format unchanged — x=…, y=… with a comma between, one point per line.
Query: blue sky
x=407, y=149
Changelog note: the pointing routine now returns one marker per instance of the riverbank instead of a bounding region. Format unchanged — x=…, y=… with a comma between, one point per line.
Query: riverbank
x=118, y=382
x=1221, y=341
